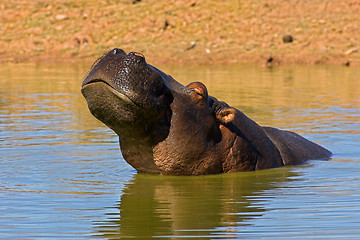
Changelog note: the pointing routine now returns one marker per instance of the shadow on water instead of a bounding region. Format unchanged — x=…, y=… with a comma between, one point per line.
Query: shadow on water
x=206, y=206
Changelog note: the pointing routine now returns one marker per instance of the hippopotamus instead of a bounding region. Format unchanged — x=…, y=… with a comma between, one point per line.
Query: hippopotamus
x=167, y=128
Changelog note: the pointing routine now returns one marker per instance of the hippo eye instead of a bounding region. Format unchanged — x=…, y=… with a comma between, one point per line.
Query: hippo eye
x=199, y=88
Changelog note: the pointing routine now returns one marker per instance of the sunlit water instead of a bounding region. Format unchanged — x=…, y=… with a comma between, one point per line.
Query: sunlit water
x=62, y=175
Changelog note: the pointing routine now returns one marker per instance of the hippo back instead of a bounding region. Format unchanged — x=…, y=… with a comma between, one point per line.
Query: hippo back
x=295, y=149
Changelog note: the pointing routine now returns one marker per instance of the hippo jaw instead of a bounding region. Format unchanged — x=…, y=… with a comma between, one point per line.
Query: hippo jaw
x=124, y=92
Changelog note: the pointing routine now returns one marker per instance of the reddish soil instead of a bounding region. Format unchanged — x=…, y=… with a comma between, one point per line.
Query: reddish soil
x=182, y=31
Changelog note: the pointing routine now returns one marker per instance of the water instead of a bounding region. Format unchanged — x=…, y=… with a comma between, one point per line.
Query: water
x=62, y=175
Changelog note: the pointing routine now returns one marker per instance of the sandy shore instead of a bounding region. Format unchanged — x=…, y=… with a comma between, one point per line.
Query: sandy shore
x=183, y=31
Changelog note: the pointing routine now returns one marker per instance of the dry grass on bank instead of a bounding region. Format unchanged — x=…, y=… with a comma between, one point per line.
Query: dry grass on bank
x=182, y=31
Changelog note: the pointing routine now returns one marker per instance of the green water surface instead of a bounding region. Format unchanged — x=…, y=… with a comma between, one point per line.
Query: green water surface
x=62, y=175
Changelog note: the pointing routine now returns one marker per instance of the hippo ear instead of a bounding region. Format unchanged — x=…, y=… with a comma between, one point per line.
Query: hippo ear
x=225, y=115
x=199, y=88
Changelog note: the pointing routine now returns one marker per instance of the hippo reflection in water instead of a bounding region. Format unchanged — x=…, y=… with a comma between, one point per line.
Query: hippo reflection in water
x=167, y=128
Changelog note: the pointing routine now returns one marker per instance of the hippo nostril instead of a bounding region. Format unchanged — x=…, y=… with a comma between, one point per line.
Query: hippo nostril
x=137, y=54
x=138, y=57
x=117, y=51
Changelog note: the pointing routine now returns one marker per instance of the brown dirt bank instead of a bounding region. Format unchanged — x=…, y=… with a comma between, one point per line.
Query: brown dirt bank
x=182, y=31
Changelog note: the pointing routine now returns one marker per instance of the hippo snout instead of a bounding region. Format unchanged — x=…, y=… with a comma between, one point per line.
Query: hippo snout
x=117, y=69
x=129, y=75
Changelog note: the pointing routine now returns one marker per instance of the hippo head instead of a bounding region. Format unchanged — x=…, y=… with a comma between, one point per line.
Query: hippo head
x=163, y=126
